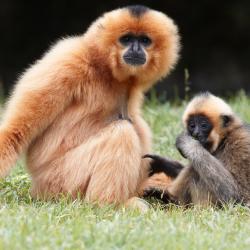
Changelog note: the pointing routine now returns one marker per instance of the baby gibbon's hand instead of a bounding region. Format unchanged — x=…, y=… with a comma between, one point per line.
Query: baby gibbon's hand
x=187, y=146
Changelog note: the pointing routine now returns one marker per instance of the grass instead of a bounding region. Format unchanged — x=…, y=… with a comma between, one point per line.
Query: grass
x=28, y=224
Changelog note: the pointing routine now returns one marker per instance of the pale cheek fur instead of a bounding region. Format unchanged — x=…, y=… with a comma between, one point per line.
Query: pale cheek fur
x=215, y=139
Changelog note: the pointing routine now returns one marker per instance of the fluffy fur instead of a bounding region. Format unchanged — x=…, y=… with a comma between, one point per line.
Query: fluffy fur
x=213, y=108
x=65, y=110
x=218, y=175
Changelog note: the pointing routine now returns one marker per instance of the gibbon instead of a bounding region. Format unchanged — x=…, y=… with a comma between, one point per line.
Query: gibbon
x=217, y=144
x=77, y=111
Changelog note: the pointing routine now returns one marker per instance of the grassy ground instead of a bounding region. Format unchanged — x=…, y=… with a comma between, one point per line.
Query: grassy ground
x=28, y=224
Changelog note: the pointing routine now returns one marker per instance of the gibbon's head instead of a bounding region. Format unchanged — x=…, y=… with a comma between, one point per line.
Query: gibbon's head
x=208, y=119
x=138, y=43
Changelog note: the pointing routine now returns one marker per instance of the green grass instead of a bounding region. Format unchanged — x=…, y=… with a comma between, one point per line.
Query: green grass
x=28, y=224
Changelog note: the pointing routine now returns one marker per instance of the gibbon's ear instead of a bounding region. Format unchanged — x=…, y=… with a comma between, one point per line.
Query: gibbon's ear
x=226, y=120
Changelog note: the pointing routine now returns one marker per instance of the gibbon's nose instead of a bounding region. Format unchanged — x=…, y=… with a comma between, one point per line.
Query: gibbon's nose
x=136, y=46
x=196, y=133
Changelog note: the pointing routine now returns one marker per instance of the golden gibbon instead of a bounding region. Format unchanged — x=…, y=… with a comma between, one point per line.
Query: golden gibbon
x=76, y=112
x=217, y=144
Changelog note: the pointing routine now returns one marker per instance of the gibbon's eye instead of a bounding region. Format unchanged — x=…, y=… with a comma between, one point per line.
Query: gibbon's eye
x=191, y=126
x=204, y=126
x=145, y=40
x=126, y=39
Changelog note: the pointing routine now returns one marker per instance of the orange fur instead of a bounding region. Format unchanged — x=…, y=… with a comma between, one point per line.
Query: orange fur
x=64, y=111
x=157, y=181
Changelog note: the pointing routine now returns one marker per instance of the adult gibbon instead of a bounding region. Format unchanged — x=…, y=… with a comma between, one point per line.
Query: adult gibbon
x=76, y=111
x=217, y=144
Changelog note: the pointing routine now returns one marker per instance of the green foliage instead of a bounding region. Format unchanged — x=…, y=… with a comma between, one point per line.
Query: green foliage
x=29, y=224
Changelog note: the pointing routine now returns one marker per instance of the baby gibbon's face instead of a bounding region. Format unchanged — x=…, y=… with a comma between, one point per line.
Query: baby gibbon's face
x=139, y=42
x=209, y=119
x=199, y=127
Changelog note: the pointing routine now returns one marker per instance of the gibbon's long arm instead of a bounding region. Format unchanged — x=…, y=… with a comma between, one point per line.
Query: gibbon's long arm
x=41, y=94
x=217, y=178
x=161, y=164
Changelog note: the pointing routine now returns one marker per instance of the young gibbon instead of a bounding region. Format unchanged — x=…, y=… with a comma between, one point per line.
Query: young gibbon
x=76, y=112
x=217, y=144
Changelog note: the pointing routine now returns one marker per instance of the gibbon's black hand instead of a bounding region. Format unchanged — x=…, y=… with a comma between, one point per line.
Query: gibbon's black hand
x=160, y=164
x=159, y=194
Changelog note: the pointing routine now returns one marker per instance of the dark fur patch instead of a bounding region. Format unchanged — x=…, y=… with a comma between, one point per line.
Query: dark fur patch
x=160, y=164
x=226, y=120
x=137, y=10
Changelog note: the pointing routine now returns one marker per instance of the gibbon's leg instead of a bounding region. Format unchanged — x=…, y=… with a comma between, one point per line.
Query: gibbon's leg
x=188, y=188
x=106, y=168
x=116, y=171
x=178, y=191
x=211, y=171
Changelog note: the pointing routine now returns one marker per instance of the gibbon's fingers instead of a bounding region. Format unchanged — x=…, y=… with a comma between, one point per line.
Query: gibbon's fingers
x=159, y=194
x=179, y=145
x=160, y=164
x=187, y=145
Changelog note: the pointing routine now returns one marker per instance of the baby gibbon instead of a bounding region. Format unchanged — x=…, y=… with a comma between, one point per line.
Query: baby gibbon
x=217, y=144
x=77, y=111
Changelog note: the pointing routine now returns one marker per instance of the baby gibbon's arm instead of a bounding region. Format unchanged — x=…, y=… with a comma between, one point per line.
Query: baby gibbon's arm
x=217, y=178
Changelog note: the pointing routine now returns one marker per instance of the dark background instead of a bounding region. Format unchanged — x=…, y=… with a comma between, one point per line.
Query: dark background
x=215, y=38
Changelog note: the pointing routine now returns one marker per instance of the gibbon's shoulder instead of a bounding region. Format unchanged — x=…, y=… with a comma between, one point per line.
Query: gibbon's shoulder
x=65, y=46
x=237, y=145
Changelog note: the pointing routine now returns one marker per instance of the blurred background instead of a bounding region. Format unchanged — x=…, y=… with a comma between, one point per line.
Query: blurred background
x=215, y=39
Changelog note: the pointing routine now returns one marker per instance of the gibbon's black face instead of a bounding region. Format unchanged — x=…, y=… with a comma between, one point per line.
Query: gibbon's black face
x=199, y=127
x=135, y=54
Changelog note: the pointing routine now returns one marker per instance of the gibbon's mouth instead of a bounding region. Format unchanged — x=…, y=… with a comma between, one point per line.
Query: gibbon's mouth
x=134, y=61
x=206, y=144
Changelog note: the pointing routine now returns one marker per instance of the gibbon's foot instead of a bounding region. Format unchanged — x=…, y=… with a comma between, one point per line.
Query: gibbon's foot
x=138, y=203
x=158, y=194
